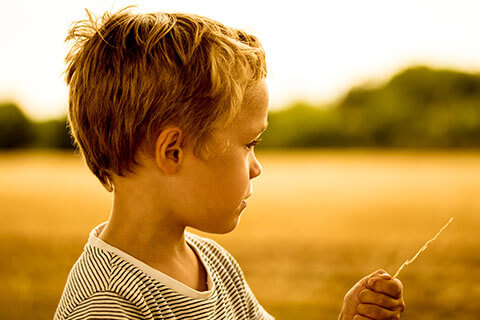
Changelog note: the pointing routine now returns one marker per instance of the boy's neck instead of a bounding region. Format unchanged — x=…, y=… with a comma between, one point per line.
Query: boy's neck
x=148, y=242
x=141, y=223
x=167, y=252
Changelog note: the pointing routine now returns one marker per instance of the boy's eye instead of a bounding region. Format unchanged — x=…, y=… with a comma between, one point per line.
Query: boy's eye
x=253, y=143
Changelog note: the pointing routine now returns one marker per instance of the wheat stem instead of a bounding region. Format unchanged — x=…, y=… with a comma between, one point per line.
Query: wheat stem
x=406, y=263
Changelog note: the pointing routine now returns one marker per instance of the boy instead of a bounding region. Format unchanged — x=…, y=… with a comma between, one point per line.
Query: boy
x=166, y=109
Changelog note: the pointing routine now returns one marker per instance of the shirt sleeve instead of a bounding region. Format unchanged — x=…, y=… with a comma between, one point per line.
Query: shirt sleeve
x=105, y=305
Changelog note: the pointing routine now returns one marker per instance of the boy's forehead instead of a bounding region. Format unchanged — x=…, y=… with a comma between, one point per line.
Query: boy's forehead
x=253, y=114
x=257, y=95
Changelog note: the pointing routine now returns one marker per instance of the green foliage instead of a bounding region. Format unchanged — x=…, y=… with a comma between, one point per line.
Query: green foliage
x=53, y=134
x=301, y=125
x=15, y=128
x=417, y=108
x=18, y=131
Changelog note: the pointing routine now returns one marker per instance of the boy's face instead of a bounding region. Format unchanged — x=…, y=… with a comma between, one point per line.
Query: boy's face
x=212, y=191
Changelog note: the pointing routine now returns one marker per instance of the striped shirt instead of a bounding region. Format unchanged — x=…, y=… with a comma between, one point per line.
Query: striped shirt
x=107, y=283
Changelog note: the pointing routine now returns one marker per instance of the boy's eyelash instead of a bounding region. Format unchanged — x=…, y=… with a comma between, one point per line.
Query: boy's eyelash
x=253, y=143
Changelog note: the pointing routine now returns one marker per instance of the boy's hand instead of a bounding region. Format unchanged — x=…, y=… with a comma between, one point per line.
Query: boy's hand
x=377, y=296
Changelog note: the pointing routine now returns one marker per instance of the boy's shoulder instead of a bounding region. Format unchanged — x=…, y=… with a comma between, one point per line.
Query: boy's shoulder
x=97, y=277
x=104, y=279
x=105, y=273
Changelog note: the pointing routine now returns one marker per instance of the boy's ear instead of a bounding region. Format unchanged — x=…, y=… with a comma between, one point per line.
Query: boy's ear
x=168, y=152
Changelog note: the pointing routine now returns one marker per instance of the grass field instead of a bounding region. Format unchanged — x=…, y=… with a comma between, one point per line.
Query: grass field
x=317, y=222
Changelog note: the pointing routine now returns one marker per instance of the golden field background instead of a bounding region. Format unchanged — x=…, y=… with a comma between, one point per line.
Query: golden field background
x=318, y=221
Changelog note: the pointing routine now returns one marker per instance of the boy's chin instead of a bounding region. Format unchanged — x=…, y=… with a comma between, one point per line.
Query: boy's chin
x=221, y=228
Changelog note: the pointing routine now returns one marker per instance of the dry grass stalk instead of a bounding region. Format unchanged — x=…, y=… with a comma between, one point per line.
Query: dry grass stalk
x=406, y=263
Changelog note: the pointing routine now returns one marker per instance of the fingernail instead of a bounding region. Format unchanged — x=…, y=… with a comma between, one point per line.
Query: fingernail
x=371, y=282
x=386, y=276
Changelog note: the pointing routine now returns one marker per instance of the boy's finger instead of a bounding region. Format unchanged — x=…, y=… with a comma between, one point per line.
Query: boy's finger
x=380, y=299
x=393, y=288
x=373, y=311
x=380, y=272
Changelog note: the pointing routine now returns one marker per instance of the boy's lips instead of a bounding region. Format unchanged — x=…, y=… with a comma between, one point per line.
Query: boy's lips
x=244, y=201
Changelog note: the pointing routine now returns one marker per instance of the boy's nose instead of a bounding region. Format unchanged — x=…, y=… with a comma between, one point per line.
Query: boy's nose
x=255, y=167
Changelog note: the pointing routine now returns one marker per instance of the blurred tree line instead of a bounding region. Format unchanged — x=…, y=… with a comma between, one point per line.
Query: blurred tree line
x=418, y=108
x=18, y=131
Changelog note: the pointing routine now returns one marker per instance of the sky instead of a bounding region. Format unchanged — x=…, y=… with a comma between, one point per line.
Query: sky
x=316, y=50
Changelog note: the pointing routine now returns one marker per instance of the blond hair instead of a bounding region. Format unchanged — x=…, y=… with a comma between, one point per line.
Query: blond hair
x=131, y=75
